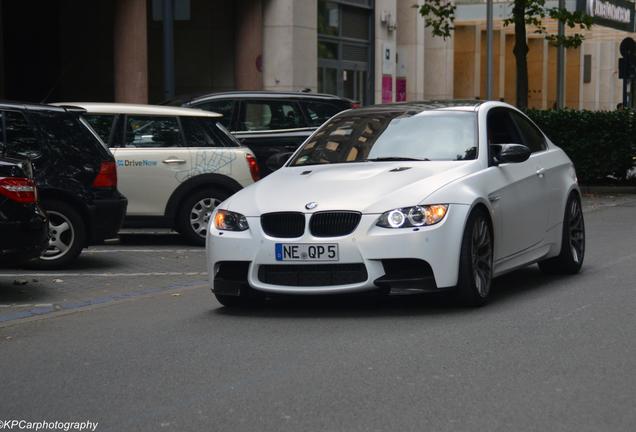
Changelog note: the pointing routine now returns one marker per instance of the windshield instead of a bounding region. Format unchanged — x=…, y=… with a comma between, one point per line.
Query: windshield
x=385, y=136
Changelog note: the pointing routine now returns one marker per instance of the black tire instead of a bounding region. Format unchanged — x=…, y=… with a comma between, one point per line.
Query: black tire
x=570, y=259
x=475, y=262
x=64, y=245
x=194, y=214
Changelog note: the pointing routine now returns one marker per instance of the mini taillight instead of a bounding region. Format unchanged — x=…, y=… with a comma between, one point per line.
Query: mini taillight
x=356, y=105
x=254, y=169
x=19, y=189
x=107, y=176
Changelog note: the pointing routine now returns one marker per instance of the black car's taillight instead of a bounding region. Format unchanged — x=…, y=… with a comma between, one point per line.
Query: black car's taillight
x=19, y=189
x=107, y=176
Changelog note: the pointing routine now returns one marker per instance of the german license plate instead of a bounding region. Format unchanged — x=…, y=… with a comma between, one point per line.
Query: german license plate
x=306, y=252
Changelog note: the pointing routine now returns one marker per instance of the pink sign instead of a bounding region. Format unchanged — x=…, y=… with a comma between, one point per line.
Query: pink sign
x=387, y=88
x=400, y=89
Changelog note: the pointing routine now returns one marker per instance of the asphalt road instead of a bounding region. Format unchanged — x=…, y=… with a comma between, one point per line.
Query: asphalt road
x=131, y=338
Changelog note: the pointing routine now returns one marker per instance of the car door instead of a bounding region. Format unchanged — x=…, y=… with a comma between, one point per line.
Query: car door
x=151, y=159
x=271, y=127
x=548, y=169
x=515, y=191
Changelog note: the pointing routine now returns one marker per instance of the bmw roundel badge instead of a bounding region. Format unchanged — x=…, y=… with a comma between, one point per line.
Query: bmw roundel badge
x=311, y=205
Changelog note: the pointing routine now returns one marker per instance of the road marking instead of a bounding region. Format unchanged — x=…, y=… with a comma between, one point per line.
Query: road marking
x=93, y=251
x=103, y=274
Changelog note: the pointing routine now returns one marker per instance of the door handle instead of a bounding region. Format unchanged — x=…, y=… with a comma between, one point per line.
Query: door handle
x=173, y=161
x=541, y=172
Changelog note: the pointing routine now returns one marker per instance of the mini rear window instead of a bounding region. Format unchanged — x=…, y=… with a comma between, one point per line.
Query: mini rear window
x=102, y=124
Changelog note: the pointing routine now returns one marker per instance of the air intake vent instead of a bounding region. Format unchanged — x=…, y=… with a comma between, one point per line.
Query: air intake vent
x=283, y=224
x=312, y=274
x=334, y=224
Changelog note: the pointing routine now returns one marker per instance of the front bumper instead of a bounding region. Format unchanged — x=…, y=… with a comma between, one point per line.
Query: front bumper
x=437, y=245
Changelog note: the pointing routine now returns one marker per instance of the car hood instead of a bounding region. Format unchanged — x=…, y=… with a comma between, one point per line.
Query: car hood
x=367, y=187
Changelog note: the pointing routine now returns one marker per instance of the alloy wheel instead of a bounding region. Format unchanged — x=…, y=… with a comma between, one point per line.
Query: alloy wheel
x=577, y=232
x=61, y=236
x=481, y=255
x=200, y=215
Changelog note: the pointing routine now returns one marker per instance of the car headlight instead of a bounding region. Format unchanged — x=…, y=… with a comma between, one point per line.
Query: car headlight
x=409, y=217
x=226, y=220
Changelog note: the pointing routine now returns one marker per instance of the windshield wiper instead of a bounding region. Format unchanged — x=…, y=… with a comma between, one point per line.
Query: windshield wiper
x=392, y=158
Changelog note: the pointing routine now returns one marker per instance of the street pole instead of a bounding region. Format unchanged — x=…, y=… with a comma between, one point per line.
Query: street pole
x=489, y=43
x=561, y=63
x=168, y=49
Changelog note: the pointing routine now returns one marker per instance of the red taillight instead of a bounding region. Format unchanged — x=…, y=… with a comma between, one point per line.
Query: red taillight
x=107, y=176
x=254, y=169
x=19, y=189
x=356, y=105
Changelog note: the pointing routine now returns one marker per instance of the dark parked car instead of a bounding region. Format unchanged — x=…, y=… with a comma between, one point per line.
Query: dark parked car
x=24, y=232
x=74, y=172
x=272, y=124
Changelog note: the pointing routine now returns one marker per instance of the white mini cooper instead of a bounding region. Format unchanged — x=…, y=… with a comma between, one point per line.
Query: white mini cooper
x=419, y=197
x=173, y=164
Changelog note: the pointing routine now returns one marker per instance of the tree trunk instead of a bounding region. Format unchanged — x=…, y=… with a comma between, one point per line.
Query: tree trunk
x=521, y=53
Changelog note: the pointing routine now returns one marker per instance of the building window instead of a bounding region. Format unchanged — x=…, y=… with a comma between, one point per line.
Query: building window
x=344, y=49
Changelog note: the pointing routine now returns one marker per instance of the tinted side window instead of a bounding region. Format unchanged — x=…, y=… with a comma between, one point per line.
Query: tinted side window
x=224, y=106
x=20, y=137
x=102, y=124
x=500, y=128
x=532, y=137
x=199, y=132
x=269, y=115
x=152, y=131
x=68, y=136
x=320, y=112
x=1, y=133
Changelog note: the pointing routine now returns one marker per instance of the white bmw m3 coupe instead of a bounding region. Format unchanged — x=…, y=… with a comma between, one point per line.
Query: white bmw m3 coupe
x=428, y=196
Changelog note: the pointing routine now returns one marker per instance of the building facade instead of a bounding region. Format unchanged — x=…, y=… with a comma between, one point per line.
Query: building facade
x=371, y=51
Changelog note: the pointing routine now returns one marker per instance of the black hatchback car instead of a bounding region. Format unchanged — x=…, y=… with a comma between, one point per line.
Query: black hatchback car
x=74, y=172
x=24, y=232
x=272, y=124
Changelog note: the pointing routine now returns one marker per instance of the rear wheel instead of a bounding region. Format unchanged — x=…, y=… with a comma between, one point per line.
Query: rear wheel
x=195, y=212
x=67, y=236
x=570, y=259
x=475, y=265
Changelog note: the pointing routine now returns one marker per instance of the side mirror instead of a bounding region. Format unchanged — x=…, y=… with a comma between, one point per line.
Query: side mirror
x=509, y=153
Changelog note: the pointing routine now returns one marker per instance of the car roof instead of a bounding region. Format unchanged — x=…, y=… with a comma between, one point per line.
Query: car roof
x=138, y=109
x=256, y=94
x=427, y=105
x=6, y=104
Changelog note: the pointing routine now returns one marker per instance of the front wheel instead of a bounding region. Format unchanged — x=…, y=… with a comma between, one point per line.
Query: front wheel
x=195, y=213
x=570, y=259
x=475, y=264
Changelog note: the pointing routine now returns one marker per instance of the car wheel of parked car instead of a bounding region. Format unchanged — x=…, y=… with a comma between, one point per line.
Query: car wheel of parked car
x=475, y=265
x=67, y=236
x=570, y=260
x=195, y=212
